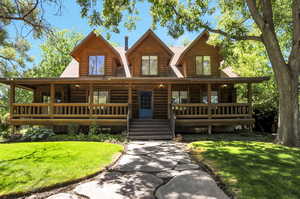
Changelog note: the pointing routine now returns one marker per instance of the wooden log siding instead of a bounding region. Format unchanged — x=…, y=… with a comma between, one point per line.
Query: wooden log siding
x=223, y=110
x=70, y=110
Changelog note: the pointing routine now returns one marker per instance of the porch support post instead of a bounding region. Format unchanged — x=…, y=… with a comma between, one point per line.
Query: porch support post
x=12, y=93
x=169, y=100
x=130, y=100
x=52, y=99
x=249, y=94
x=91, y=100
x=249, y=89
x=209, y=106
x=35, y=96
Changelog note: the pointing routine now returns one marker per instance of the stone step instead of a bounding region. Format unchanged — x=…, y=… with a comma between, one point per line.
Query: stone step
x=152, y=137
x=149, y=133
x=149, y=129
x=148, y=125
x=149, y=120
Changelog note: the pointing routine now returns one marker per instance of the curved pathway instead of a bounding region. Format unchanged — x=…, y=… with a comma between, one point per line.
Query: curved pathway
x=149, y=170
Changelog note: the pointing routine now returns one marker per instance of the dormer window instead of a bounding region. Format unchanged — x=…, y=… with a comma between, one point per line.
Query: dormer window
x=149, y=65
x=203, y=65
x=96, y=65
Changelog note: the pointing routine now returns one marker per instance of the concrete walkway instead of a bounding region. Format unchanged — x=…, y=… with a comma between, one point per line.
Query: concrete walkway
x=149, y=170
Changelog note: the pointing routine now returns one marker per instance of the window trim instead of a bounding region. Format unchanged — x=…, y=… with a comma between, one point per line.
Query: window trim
x=179, y=95
x=141, y=66
x=206, y=96
x=210, y=59
x=88, y=64
x=98, y=90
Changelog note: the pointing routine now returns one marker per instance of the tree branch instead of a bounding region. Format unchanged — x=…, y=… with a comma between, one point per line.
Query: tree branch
x=221, y=32
x=31, y=10
x=235, y=37
x=268, y=14
x=255, y=14
x=295, y=51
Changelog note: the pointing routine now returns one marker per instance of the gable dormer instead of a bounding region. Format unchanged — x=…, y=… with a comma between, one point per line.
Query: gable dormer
x=97, y=57
x=199, y=59
x=149, y=56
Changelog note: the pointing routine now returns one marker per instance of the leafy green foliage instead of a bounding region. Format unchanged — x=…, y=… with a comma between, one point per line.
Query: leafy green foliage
x=252, y=169
x=94, y=129
x=73, y=129
x=103, y=137
x=25, y=17
x=36, y=133
x=55, y=54
x=30, y=166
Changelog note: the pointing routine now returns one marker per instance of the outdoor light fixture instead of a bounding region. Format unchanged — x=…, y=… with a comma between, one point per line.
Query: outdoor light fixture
x=161, y=86
x=77, y=85
x=224, y=85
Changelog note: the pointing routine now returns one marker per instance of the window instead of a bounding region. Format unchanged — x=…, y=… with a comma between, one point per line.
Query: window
x=203, y=66
x=179, y=97
x=149, y=65
x=96, y=65
x=214, y=97
x=100, y=96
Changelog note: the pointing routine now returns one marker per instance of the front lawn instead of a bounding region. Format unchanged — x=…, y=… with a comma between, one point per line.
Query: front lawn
x=28, y=166
x=253, y=169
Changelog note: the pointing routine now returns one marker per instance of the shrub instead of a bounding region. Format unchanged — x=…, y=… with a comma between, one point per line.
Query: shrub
x=94, y=129
x=5, y=130
x=73, y=129
x=90, y=137
x=36, y=133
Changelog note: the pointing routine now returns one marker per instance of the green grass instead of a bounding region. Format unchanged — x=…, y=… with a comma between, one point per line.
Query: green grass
x=253, y=169
x=29, y=166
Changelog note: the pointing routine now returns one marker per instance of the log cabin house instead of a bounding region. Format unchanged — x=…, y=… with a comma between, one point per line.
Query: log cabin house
x=150, y=88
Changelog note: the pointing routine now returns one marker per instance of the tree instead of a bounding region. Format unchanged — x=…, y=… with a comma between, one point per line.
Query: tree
x=264, y=21
x=55, y=54
x=25, y=17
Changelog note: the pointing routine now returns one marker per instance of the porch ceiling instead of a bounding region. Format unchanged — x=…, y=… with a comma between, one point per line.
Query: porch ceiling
x=31, y=83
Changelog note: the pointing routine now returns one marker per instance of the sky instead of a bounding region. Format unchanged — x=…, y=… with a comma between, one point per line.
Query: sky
x=70, y=19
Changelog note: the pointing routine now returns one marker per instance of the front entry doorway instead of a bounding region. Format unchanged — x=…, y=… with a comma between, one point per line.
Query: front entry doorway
x=145, y=105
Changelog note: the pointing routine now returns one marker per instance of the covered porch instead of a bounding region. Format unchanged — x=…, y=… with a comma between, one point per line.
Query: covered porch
x=59, y=101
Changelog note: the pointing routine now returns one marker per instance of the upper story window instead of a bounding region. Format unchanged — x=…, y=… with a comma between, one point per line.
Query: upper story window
x=100, y=96
x=203, y=65
x=179, y=97
x=149, y=65
x=96, y=65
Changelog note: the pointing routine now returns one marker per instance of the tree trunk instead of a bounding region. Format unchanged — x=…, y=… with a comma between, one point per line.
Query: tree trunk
x=288, y=121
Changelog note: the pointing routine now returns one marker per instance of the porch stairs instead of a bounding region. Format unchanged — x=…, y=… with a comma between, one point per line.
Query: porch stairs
x=149, y=129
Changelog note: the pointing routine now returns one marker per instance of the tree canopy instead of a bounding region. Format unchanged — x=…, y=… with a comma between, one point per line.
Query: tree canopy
x=55, y=54
x=22, y=18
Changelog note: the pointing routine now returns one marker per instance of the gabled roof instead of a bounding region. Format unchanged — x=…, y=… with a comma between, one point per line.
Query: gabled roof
x=120, y=52
x=145, y=35
x=92, y=35
x=177, y=59
x=72, y=70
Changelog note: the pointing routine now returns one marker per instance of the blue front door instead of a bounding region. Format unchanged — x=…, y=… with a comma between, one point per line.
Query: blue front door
x=145, y=104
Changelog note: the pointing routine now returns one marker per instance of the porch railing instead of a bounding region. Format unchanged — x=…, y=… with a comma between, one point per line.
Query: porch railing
x=65, y=110
x=222, y=110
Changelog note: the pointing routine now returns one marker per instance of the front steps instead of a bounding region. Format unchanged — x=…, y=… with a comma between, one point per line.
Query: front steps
x=149, y=129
